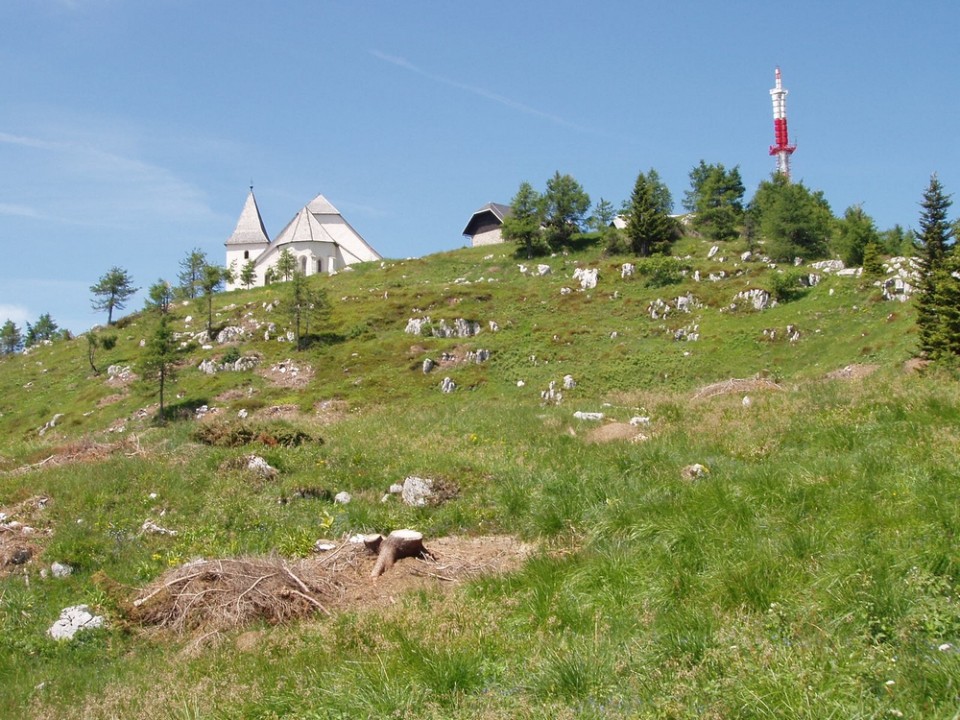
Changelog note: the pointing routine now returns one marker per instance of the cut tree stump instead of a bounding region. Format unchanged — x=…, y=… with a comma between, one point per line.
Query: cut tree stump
x=398, y=544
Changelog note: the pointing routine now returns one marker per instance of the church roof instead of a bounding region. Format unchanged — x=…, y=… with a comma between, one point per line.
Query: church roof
x=249, y=230
x=320, y=221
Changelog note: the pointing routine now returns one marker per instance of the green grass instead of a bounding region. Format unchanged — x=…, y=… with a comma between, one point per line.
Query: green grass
x=813, y=573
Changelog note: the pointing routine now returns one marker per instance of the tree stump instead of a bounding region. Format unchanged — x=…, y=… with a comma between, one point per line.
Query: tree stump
x=398, y=544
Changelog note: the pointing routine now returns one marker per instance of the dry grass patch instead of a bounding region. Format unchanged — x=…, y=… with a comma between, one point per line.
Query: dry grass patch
x=852, y=372
x=736, y=385
x=616, y=432
x=86, y=450
x=210, y=596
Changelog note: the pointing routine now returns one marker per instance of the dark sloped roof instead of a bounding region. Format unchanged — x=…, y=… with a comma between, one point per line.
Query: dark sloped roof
x=484, y=215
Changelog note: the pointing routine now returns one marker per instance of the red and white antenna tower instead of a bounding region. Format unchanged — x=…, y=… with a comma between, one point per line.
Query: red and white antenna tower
x=783, y=149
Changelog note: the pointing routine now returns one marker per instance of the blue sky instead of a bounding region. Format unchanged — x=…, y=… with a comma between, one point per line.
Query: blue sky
x=131, y=129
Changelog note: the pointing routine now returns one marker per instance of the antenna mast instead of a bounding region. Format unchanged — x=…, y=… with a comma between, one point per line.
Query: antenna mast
x=782, y=149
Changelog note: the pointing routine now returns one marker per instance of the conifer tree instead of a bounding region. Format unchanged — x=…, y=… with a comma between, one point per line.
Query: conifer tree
x=523, y=225
x=650, y=229
x=157, y=365
x=936, y=309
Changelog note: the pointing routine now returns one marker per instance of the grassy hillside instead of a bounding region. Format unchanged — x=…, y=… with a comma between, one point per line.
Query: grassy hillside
x=810, y=571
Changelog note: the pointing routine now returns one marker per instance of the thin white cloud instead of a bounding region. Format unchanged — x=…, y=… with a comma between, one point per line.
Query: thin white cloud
x=18, y=313
x=18, y=210
x=479, y=91
x=88, y=184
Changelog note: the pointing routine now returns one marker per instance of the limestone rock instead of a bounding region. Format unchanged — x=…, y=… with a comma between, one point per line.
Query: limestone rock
x=587, y=277
x=72, y=620
x=627, y=270
x=427, y=366
x=448, y=385
x=592, y=416
x=342, y=498
x=230, y=333
x=61, y=570
x=260, y=467
x=417, y=491
x=695, y=471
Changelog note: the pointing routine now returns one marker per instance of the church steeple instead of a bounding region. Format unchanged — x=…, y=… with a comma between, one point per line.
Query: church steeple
x=250, y=229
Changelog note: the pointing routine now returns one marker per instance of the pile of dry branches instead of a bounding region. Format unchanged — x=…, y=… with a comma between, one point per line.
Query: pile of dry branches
x=220, y=594
x=736, y=385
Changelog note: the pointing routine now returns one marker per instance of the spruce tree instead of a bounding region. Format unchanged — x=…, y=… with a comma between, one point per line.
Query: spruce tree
x=650, y=229
x=938, y=291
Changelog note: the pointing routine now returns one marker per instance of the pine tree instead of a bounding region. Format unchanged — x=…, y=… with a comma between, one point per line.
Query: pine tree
x=523, y=225
x=650, y=229
x=157, y=365
x=44, y=329
x=10, y=338
x=938, y=292
x=112, y=291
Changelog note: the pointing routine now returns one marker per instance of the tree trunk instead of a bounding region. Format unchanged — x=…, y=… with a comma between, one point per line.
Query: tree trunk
x=398, y=544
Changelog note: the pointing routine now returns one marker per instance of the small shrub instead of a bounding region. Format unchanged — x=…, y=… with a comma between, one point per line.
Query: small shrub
x=231, y=356
x=661, y=270
x=786, y=286
x=237, y=434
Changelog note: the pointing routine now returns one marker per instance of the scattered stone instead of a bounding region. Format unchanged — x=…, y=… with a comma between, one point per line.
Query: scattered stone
x=72, y=620
x=592, y=416
x=417, y=491
x=627, y=270
x=428, y=365
x=230, y=334
x=208, y=367
x=50, y=424
x=551, y=395
x=543, y=270
x=758, y=298
x=521, y=383
x=152, y=528
x=260, y=467
x=448, y=385
x=746, y=256
x=396, y=489
x=565, y=291
x=493, y=326
x=694, y=472
x=713, y=251
x=242, y=413
x=60, y=570
x=587, y=277
x=568, y=382
x=828, y=266
x=639, y=420
x=342, y=498
x=324, y=545
x=746, y=402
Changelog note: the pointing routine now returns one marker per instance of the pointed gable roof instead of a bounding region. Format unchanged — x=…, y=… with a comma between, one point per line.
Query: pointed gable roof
x=249, y=230
x=320, y=221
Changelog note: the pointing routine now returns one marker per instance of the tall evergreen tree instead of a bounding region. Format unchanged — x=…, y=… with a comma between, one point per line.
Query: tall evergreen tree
x=523, y=225
x=938, y=290
x=159, y=297
x=564, y=206
x=44, y=329
x=650, y=229
x=854, y=232
x=11, y=339
x=211, y=281
x=286, y=264
x=716, y=196
x=191, y=273
x=248, y=274
x=158, y=362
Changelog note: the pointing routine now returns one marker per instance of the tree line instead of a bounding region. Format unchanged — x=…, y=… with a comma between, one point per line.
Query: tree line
x=791, y=219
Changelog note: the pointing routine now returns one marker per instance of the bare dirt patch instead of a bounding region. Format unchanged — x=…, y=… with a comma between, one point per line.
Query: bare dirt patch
x=22, y=529
x=736, y=385
x=328, y=412
x=852, y=372
x=616, y=432
x=288, y=374
x=81, y=451
x=210, y=596
x=915, y=365
x=279, y=412
x=110, y=399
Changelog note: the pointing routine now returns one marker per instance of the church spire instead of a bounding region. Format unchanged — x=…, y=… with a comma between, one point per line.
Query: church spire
x=250, y=229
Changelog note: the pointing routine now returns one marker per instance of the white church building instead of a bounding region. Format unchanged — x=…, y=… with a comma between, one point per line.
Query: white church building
x=318, y=236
